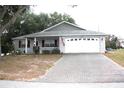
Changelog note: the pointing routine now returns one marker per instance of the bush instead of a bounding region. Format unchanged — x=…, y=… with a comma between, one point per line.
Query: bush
x=46, y=52
x=17, y=52
x=36, y=49
x=56, y=51
x=6, y=44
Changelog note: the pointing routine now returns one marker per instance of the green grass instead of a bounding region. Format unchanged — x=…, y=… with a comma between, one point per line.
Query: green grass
x=117, y=56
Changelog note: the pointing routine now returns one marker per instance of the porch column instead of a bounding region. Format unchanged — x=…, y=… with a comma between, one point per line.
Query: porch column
x=26, y=45
x=35, y=41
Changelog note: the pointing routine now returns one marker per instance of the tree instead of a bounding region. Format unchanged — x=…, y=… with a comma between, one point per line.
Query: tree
x=115, y=43
x=56, y=18
x=8, y=16
x=107, y=41
x=30, y=23
x=112, y=42
x=6, y=44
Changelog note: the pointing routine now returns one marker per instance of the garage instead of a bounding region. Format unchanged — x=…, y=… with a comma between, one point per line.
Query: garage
x=82, y=45
x=68, y=37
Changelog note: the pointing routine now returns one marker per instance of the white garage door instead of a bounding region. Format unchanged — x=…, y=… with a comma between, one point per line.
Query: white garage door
x=81, y=45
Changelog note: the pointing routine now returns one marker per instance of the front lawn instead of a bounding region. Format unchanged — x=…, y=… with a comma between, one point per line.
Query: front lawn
x=26, y=67
x=117, y=56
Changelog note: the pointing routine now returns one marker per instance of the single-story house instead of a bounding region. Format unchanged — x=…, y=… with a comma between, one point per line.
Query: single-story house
x=121, y=42
x=65, y=36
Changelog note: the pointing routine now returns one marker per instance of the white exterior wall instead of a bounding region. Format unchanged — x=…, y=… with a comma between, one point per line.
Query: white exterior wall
x=102, y=45
x=61, y=44
x=65, y=46
x=121, y=43
x=84, y=46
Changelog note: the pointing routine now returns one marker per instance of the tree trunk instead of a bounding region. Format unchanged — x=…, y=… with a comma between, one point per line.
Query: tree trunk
x=0, y=46
x=10, y=22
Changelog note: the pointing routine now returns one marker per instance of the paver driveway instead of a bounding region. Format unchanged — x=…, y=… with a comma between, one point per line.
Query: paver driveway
x=84, y=68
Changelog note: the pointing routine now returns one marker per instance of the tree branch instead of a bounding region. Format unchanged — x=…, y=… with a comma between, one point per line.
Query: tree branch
x=3, y=13
x=13, y=19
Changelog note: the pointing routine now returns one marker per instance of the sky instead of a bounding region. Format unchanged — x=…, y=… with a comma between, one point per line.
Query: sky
x=98, y=15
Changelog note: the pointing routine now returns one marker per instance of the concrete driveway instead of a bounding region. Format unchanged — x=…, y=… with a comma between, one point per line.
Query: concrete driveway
x=83, y=68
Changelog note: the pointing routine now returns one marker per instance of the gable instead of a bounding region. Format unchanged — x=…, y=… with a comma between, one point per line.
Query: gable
x=63, y=29
x=64, y=26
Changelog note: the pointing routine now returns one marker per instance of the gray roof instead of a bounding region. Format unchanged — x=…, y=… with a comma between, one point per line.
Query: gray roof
x=64, y=33
x=46, y=33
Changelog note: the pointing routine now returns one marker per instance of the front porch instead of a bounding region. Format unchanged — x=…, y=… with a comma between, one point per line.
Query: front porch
x=44, y=44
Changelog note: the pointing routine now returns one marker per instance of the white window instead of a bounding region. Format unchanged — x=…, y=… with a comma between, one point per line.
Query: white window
x=88, y=39
x=50, y=43
x=71, y=39
x=21, y=44
x=92, y=39
x=75, y=39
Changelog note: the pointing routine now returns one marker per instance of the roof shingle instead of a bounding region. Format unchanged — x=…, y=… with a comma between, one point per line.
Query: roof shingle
x=46, y=33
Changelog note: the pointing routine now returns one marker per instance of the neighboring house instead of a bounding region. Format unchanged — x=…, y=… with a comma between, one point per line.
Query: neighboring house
x=121, y=41
x=67, y=37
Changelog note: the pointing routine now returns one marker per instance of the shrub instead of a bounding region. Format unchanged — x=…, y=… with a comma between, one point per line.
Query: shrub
x=46, y=52
x=17, y=52
x=36, y=49
x=55, y=51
